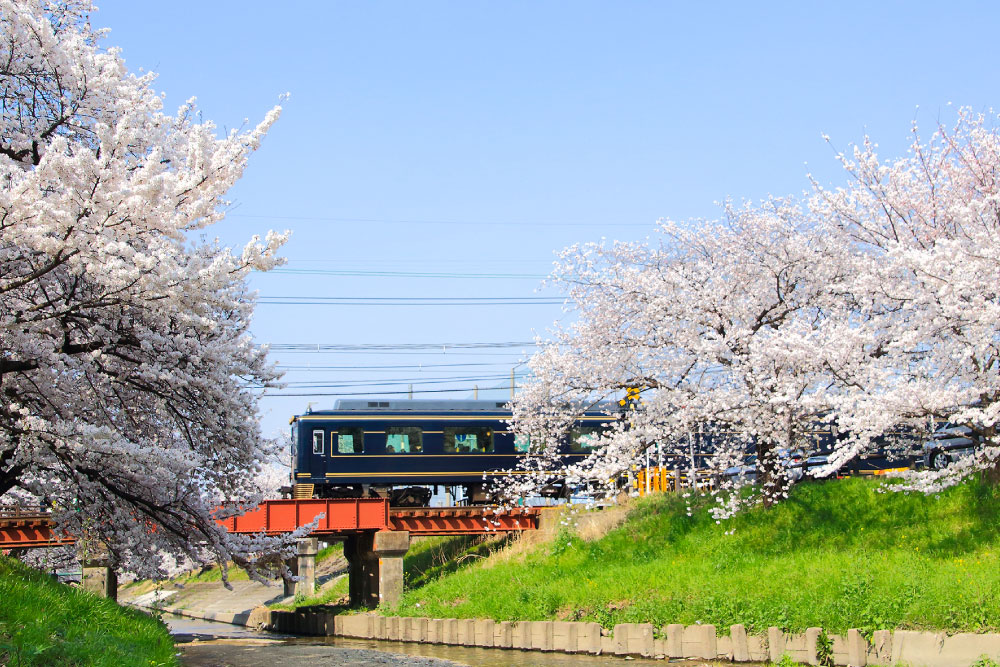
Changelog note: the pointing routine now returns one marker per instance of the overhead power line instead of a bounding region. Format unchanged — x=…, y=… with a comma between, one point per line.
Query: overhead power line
x=389, y=393
x=461, y=275
x=385, y=367
x=435, y=261
x=408, y=301
x=394, y=382
x=423, y=353
x=464, y=223
x=368, y=347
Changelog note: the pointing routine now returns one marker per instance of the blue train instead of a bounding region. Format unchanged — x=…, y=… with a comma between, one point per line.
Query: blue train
x=402, y=449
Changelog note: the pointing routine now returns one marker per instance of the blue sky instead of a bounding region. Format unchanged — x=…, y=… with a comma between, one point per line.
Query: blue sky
x=475, y=139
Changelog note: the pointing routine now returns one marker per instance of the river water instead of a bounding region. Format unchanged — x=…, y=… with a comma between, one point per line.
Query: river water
x=209, y=644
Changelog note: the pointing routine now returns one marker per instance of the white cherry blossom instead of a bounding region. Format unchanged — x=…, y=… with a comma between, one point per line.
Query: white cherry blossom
x=125, y=355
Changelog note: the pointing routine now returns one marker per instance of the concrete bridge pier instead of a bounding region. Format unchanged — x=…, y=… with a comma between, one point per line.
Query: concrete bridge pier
x=100, y=578
x=376, y=566
x=303, y=566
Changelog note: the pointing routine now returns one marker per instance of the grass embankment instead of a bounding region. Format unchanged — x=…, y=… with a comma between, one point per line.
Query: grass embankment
x=329, y=594
x=427, y=559
x=43, y=622
x=837, y=555
x=211, y=573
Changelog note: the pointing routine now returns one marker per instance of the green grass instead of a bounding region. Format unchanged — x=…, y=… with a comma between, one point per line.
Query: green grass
x=211, y=573
x=430, y=558
x=837, y=555
x=334, y=550
x=330, y=595
x=43, y=622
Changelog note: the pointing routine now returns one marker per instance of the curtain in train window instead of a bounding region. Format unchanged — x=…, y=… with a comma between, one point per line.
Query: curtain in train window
x=403, y=440
x=350, y=440
x=468, y=439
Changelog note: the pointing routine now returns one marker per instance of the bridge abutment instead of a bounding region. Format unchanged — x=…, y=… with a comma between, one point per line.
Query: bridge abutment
x=304, y=567
x=376, y=566
x=100, y=578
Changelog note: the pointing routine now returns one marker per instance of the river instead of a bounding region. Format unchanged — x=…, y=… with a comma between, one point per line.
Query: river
x=209, y=644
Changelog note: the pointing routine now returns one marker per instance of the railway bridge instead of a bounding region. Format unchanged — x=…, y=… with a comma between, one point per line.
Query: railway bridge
x=375, y=537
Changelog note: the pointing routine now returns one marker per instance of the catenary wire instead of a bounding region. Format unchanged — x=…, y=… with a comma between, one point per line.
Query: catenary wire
x=407, y=274
x=391, y=382
x=467, y=223
x=357, y=347
x=407, y=301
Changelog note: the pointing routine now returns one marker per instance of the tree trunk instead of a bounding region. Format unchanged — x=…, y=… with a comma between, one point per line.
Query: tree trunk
x=771, y=475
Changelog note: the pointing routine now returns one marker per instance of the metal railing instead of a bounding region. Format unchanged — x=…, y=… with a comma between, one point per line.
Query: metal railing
x=22, y=512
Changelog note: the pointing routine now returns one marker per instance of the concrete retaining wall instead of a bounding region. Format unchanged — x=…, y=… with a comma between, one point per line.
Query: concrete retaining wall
x=917, y=649
x=887, y=647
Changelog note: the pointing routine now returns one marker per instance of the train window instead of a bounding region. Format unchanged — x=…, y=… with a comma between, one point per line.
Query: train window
x=583, y=439
x=403, y=440
x=468, y=439
x=317, y=442
x=350, y=440
x=522, y=444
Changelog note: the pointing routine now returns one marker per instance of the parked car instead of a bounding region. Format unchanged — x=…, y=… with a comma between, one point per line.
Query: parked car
x=813, y=462
x=946, y=445
x=793, y=459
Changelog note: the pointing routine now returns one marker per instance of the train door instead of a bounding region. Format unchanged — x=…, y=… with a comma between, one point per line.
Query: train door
x=318, y=450
x=293, y=448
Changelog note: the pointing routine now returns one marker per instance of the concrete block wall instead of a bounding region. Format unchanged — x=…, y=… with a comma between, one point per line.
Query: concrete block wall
x=917, y=649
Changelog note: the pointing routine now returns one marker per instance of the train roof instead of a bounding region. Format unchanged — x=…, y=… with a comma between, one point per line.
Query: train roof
x=419, y=405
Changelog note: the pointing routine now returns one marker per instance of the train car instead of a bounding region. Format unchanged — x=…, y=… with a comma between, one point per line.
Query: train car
x=401, y=449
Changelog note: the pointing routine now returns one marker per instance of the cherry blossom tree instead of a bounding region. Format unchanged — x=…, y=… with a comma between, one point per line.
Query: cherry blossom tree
x=718, y=325
x=872, y=309
x=924, y=232
x=125, y=358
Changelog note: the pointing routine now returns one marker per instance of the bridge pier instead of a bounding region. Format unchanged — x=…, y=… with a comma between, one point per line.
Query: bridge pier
x=100, y=578
x=376, y=566
x=303, y=566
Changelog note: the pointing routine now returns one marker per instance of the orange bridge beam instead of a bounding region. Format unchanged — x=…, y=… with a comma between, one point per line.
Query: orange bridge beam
x=462, y=520
x=341, y=517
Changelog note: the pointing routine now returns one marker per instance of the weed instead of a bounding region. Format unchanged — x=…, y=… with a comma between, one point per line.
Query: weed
x=824, y=649
x=565, y=538
x=985, y=661
x=786, y=661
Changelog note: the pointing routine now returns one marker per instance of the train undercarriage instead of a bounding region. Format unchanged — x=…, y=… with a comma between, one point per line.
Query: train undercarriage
x=399, y=496
x=414, y=496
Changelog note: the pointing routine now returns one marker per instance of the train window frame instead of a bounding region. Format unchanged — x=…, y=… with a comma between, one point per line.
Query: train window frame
x=319, y=450
x=357, y=440
x=577, y=433
x=414, y=443
x=451, y=439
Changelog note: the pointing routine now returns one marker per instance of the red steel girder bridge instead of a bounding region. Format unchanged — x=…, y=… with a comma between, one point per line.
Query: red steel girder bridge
x=28, y=527
x=32, y=527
